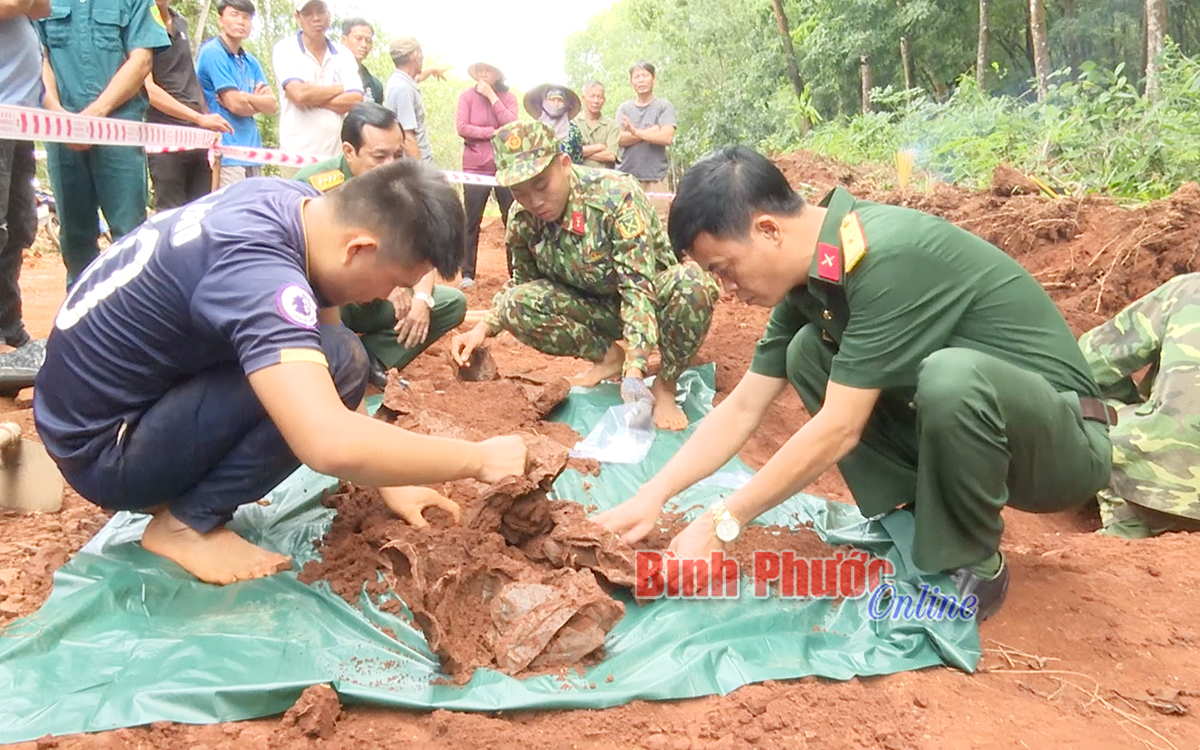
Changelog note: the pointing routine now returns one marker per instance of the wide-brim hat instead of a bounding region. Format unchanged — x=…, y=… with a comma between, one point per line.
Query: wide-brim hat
x=475, y=68
x=536, y=95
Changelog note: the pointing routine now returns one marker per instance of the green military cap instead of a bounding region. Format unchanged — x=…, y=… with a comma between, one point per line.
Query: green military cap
x=523, y=151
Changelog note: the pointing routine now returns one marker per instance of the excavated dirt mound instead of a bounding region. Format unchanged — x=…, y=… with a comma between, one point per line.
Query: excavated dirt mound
x=809, y=171
x=1091, y=254
x=515, y=586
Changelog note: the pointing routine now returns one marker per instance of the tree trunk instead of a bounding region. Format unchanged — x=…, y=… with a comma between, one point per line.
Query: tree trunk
x=906, y=62
x=1074, y=55
x=198, y=29
x=981, y=63
x=1156, y=31
x=864, y=67
x=1041, y=54
x=789, y=52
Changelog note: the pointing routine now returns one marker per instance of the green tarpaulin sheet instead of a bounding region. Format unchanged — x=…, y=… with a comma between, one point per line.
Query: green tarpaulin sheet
x=127, y=639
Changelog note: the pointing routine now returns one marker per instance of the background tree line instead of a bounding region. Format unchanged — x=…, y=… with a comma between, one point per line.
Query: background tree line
x=1095, y=94
x=764, y=72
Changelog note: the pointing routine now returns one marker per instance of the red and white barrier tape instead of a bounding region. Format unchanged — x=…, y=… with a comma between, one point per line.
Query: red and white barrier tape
x=26, y=123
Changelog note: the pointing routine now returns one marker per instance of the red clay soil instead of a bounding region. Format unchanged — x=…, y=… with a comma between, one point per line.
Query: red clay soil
x=515, y=586
x=1097, y=647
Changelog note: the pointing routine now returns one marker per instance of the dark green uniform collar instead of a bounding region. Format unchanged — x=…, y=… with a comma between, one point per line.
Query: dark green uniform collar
x=827, y=264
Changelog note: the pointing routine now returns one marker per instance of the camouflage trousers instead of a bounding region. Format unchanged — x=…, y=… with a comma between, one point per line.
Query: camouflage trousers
x=1155, y=484
x=1154, y=487
x=560, y=320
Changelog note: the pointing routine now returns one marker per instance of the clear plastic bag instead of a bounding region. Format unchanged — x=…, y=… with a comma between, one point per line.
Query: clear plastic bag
x=623, y=436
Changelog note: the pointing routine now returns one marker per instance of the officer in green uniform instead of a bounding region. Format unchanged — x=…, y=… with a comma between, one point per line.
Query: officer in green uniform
x=942, y=379
x=591, y=266
x=1156, y=447
x=395, y=330
x=98, y=55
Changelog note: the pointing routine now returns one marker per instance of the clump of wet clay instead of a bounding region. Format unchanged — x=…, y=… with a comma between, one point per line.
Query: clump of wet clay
x=523, y=584
x=315, y=714
x=480, y=367
x=475, y=411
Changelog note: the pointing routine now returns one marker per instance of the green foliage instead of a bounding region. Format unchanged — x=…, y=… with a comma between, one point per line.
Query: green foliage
x=721, y=64
x=1094, y=133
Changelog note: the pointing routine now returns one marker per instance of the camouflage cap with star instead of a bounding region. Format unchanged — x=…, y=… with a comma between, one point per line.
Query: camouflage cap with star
x=523, y=151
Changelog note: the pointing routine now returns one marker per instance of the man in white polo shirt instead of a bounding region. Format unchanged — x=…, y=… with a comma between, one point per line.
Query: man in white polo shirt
x=318, y=82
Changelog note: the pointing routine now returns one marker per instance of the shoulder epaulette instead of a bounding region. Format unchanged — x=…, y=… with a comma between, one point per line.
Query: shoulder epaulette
x=326, y=181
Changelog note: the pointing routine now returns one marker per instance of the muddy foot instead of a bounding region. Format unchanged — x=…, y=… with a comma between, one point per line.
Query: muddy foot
x=609, y=367
x=667, y=414
x=219, y=557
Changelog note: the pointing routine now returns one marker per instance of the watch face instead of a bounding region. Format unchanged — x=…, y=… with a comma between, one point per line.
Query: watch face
x=728, y=529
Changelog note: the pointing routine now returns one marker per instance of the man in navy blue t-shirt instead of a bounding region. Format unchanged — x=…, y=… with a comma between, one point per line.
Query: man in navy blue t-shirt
x=191, y=367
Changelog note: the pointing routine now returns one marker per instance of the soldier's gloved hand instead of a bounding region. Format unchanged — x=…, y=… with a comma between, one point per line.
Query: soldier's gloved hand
x=634, y=391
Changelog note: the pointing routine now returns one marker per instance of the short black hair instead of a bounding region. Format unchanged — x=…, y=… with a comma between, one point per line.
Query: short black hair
x=411, y=209
x=351, y=23
x=722, y=192
x=643, y=65
x=362, y=115
x=244, y=6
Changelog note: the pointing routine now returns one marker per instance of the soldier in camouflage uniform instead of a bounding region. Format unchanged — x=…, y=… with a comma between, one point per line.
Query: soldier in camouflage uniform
x=592, y=266
x=1155, y=485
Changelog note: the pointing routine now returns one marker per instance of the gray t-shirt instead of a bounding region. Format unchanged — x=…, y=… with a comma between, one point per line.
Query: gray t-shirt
x=20, y=64
x=403, y=97
x=645, y=161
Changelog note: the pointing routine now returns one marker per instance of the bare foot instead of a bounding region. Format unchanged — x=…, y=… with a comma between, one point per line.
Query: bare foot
x=410, y=502
x=219, y=557
x=609, y=367
x=667, y=414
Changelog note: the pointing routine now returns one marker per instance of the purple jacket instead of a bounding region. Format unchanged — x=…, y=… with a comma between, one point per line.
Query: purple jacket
x=477, y=121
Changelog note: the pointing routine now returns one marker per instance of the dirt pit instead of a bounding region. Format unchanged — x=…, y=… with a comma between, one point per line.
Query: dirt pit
x=523, y=584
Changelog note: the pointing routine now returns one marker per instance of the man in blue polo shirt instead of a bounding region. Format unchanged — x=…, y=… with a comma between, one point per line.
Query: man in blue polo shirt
x=235, y=86
x=193, y=366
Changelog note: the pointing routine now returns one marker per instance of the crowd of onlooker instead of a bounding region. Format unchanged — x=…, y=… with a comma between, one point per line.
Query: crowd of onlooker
x=135, y=60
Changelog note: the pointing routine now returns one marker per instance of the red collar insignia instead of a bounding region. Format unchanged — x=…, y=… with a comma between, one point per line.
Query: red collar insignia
x=577, y=222
x=829, y=262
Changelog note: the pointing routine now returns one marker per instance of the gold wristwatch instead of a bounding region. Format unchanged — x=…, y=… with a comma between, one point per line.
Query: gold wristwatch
x=725, y=527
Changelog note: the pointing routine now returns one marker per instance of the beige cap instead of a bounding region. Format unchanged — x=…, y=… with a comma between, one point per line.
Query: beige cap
x=402, y=47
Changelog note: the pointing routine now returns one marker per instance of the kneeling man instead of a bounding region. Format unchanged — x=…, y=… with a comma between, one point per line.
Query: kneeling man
x=193, y=366
x=394, y=330
x=591, y=267
x=939, y=375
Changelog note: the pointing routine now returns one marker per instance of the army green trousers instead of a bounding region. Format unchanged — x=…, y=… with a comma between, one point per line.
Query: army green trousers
x=375, y=322
x=111, y=179
x=976, y=435
x=561, y=321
